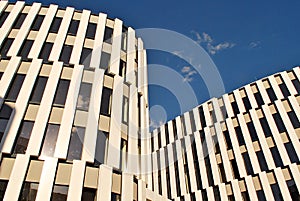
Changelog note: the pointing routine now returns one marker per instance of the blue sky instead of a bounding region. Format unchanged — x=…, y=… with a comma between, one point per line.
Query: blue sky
x=247, y=40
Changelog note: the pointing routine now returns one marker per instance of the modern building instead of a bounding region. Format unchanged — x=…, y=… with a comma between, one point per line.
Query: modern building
x=74, y=121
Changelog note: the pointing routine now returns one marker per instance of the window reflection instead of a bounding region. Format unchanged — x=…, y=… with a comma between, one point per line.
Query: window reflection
x=61, y=92
x=15, y=87
x=28, y=192
x=50, y=140
x=23, y=137
x=38, y=91
x=55, y=25
x=88, y=194
x=59, y=193
x=3, y=185
x=37, y=22
x=115, y=197
x=75, y=147
x=84, y=96
x=105, y=101
x=105, y=59
x=101, y=146
x=108, y=34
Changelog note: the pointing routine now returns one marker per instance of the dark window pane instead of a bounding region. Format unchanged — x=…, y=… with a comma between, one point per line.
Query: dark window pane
x=84, y=96
x=50, y=140
x=276, y=157
x=102, y=139
x=1, y=74
x=59, y=193
x=235, y=169
x=15, y=87
x=271, y=94
x=5, y=47
x=19, y=21
x=29, y=191
x=37, y=22
x=5, y=111
x=3, y=185
x=88, y=194
x=66, y=54
x=246, y=103
x=284, y=90
x=25, y=49
x=61, y=92
x=85, y=57
x=279, y=123
x=293, y=117
x=239, y=135
x=297, y=85
x=3, y=125
x=248, y=164
x=115, y=197
x=38, y=91
x=3, y=17
x=55, y=25
x=75, y=147
x=252, y=131
x=235, y=108
x=202, y=117
x=265, y=126
x=122, y=68
x=73, y=27
x=91, y=30
x=105, y=59
x=262, y=161
x=46, y=50
x=105, y=101
x=23, y=137
x=108, y=34
x=258, y=98
x=227, y=139
x=291, y=152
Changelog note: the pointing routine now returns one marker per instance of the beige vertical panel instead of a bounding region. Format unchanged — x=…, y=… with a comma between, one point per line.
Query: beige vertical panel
x=130, y=75
x=20, y=106
x=8, y=75
x=187, y=197
x=289, y=127
x=43, y=32
x=224, y=154
x=223, y=193
x=155, y=139
x=210, y=193
x=141, y=191
x=200, y=155
x=187, y=122
x=251, y=96
x=295, y=106
x=163, y=135
x=7, y=25
x=17, y=177
x=3, y=4
x=145, y=76
x=250, y=188
x=64, y=134
x=197, y=118
x=171, y=131
x=179, y=128
x=249, y=144
x=141, y=66
x=171, y=171
x=76, y=181
x=98, y=41
x=90, y=137
x=62, y=33
x=207, y=115
x=282, y=184
x=47, y=180
x=198, y=196
x=228, y=106
x=297, y=72
x=217, y=110
x=212, y=156
x=78, y=45
x=275, y=87
x=266, y=186
x=236, y=148
x=23, y=32
x=127, y=187
x=113, y=158
x=288, y=83
x=263, y=92
x=116, y=48
x=43, y=114
x=180, y=167
x=295, y=174
x=262, y=140
x=155, y=171
x=104, y=183
x=190, y=161
x=236, y=190
x=239, y=100
x=276, y=136
x=163, y=174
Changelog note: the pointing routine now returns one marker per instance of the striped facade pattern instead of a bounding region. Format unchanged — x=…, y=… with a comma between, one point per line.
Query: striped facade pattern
x=68, y=82
x=241, y=146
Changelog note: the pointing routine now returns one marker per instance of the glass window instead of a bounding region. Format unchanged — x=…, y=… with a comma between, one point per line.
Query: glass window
x=258, y=98
x=46, y=50
x=122, y=68
x=3, y=185
x=296, y=83
x=38, y=90
x=106, y=101
x=76, y=142
x=265, y=125
x=252, y=131
x=124, y=39
x=66, y=53
x=85, y=57
x=5, y=46
x=23, y=137
x=25, y=49
x=271, y=94
x=101, y=146
x=83, y=101
x=55, y=25
x=125, y=110
x=1, y=74
x=279, y=123
x=3, y=17
x=50, y=140
x=246, y=103
x=108, y=34
x=115, y=197
x=105, y=59
x=5, y=111
x=19, y=21
x=29, y=191
x=59, y=193
x=239, y=135
x=15, y=87
x=88, y=194
x=37, y=22
x=61, y=92
x=91, y=30
x=235, y=108
x=73, y=27
x=262, y=161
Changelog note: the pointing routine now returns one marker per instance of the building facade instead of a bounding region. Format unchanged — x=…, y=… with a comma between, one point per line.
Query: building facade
x=74, y=121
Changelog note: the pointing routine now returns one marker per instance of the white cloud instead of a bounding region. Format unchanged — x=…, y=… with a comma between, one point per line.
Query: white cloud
x=156, y=124
x=188, y=73
x=207, y=42
x=254, y=44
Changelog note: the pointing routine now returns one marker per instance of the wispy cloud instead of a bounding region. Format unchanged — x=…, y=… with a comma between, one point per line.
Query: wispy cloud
x=188, y=73
x=210, y=45
x=156, y=124
x=254, y=44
